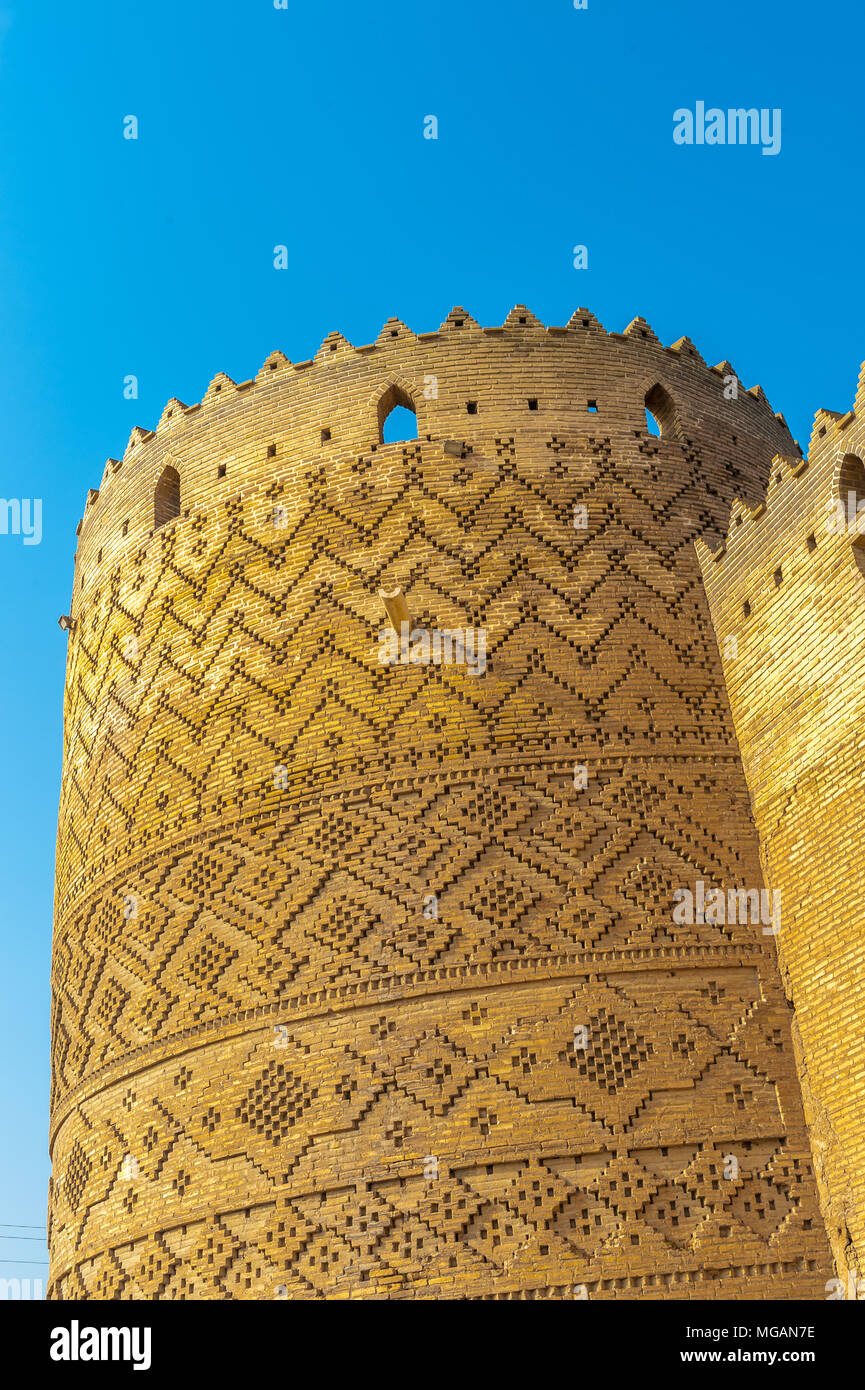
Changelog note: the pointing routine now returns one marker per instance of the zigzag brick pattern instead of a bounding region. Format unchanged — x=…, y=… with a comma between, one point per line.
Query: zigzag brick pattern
x=276, y=1072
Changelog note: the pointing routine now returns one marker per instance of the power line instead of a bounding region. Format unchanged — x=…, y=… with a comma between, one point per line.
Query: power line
x=11, y=1226
x=38, y=1239
x=43, y=1263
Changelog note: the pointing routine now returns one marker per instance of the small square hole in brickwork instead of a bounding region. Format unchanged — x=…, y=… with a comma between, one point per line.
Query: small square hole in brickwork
x=592, y=407
x=325, y=436
x=222, y=470
x=779, y=579
x=458, y=323
x=219, y=388
x=746, y=609
x=271, y=451
x=124, y=530
x=533, y=403
x=99, y=556
x=472, y=407
x=812, y=543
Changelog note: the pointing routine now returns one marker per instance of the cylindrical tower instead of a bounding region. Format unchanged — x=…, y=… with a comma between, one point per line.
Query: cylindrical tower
x=370, y=973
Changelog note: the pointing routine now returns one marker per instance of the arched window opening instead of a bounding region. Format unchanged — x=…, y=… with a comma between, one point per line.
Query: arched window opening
x=166, y=499
x=851, y=511
x=397, y=418
x=662, y=417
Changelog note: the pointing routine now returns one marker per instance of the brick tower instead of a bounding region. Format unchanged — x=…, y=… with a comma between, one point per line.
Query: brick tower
x=368, y=975
x=787, y=595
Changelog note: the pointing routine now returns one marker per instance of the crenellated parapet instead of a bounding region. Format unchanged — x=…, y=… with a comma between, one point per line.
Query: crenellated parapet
x=305, y=415
x=385, y=768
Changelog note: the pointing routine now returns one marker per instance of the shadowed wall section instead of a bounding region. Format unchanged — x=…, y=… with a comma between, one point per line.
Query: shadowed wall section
x=360, y=989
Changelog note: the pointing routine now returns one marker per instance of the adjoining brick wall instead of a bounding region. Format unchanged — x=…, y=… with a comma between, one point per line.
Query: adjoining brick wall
x=362, y=987
x=795, y=673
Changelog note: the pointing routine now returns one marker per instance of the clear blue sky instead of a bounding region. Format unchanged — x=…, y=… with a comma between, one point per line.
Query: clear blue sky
x=305, y=127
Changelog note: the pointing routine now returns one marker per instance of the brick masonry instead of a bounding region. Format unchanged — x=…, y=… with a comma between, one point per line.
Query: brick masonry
x=361, y=988
x=786, y=591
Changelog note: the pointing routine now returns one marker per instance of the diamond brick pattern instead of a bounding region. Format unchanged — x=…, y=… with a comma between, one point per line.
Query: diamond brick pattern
x=327, y=929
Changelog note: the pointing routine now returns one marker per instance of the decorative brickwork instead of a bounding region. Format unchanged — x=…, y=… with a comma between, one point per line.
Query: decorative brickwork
x=367, y=981
x=795, y=671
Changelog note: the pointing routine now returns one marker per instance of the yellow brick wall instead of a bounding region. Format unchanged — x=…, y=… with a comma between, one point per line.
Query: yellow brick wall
x=795, y=672
x=274, y=1073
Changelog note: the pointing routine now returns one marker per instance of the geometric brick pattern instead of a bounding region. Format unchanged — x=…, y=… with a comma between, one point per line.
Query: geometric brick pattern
x=276, y=1072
